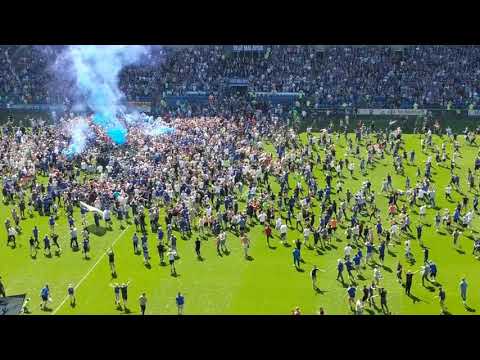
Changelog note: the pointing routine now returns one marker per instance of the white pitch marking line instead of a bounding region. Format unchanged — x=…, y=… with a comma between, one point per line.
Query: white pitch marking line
x=91, y=269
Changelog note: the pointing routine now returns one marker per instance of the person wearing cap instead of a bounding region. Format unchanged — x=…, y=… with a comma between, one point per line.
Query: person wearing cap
x=71, y=294
x=463, y=291
x=143, y=303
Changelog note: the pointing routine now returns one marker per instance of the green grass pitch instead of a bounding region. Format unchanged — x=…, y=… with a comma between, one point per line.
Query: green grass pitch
x=268, y=284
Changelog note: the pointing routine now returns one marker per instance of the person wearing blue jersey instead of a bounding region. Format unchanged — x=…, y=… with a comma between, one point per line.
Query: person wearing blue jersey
x=46, y=246
x=45, y=296
x=349, y=266
x=296, y=258
x=356, y=263
x=381, y=252
x=160, y=233
x=180, y=301
x=369, y=247
x=351, y=296
x=51, y=222
x=379, y=228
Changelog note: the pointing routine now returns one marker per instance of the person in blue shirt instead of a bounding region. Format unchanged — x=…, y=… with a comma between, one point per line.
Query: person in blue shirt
x=135, y=243
x=433, y=271
x=180, y=301
x=160, y=233
x=381, y=252
x=379, y=228
x=349, y=266
x=351, y=296
x=46, y=245
x=45, y=295
x=356, y=262
x=296, y=258
x=51, y=221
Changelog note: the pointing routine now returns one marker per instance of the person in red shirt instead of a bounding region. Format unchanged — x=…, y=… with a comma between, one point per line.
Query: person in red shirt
x=268, y=233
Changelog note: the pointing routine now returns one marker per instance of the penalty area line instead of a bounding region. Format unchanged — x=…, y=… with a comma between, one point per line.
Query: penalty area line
x=91, y=269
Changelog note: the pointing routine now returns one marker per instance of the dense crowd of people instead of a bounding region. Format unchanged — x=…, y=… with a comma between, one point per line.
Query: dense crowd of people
x=199, y=176
x=361, y=77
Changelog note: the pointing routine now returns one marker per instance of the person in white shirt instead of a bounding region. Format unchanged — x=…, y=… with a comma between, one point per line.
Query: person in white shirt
x=348, y=251
x=283, y=233
x=278, y=224
x=359, y=307
x=407, y=249
x=306, y=235
x=262, y=217
x=422, y=211
x=377, y=275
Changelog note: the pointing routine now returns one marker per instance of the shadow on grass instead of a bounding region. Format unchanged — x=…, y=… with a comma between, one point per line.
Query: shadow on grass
x=386, y=268
x=300, y=269
x=249, y=258
x=99, y=231
x=469, y=309
x=461, y=251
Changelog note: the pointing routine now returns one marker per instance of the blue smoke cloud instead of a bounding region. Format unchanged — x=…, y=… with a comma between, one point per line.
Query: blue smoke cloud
x=95, y=69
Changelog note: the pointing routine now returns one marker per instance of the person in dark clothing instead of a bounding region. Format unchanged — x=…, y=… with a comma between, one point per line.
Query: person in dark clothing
x=124, y=291
x=383, y=300
x=161, y=252
x=425, y=255
x=96, y=218
x=197, y=247
x=408, y=283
